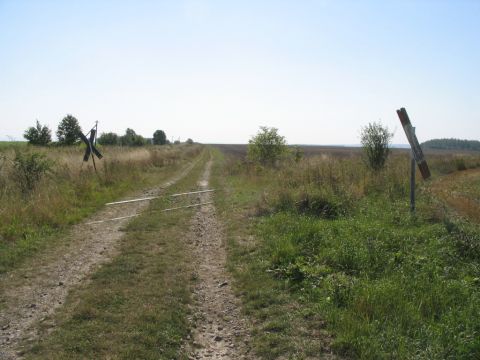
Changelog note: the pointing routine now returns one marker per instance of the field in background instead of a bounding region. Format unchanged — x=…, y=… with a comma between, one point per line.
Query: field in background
x=34, y=208
x=441, y=161
x=328, y=258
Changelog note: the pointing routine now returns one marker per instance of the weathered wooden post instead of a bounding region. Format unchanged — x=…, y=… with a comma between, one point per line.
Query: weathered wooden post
x=413, y=172
x=417, y=154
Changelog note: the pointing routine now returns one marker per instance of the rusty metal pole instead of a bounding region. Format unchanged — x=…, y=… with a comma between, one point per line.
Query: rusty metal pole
x=413, y=168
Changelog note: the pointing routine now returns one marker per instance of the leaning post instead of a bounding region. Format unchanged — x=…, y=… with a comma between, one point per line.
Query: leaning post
x=417, y=154
x=413, y=169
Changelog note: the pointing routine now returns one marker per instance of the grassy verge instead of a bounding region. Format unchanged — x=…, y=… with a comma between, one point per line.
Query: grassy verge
x=281, y=326
x=137, y=305
x=349, y=271
x=37, y=219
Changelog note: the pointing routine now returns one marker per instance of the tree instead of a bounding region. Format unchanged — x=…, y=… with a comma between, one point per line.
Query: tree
x=159, y=137
x=38, y=135
x=267, y=146
x=189, y=141
x=68, y=131
x=375, y=140
x=132, y=139
x=108, y=139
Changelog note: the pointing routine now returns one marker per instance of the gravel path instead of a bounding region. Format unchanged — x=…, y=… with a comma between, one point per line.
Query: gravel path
x=30, y=294
x=220, y=330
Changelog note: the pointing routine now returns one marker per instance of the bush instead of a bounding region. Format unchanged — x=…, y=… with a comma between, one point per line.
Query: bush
x=108, y=139
x=159, y=137
x=68, y=131
x=375, y=139
x=460, y=164
x=29, y=168
x=132, y=139
x=38, y=135
x=267, y=147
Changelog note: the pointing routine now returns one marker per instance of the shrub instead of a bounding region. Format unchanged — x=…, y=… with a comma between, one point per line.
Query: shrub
x=317, y=204
x=68, y=131
x=267, y=146
x=108, y=139
x=297, y=153
x=460, y=164
x=375, y=139
x=132, y=139
x=29, y=168
x=38, y=135
x=159, y=137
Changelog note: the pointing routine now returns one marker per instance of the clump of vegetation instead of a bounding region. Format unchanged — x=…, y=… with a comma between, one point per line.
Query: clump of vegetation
x=159, y=137
x=131, y=138
x=38, y=135
x=109, y=138
x=375, y=139
x=267, y=147
x=28, y=169
x=68, y=132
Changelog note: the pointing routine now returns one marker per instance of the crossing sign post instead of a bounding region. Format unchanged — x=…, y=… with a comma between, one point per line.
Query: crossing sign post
x=91, y=149
x=417, y=155
x=412, y=139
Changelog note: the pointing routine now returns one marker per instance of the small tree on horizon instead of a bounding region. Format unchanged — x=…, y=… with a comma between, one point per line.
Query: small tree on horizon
x=267, y=147
x=132, y=139
x=68, y=131
x=38, y=135
x=110, y=138
x=375, y=139
x=159, y=137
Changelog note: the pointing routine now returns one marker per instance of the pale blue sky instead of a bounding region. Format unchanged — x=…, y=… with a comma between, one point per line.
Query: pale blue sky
x=217, y=70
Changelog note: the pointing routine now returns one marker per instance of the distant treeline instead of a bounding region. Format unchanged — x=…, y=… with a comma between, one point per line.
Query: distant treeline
x=69, y=133
x=452, y=144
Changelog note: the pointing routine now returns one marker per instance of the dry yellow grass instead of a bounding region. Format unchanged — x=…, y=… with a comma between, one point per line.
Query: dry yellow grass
x=460, y=191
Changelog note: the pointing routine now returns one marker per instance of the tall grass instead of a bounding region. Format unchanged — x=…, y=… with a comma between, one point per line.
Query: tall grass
x=70, y=189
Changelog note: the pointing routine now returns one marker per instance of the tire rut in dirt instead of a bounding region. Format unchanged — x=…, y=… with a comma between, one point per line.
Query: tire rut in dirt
x=220, y=330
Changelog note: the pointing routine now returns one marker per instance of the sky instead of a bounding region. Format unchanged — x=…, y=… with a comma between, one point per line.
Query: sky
x=215, y=71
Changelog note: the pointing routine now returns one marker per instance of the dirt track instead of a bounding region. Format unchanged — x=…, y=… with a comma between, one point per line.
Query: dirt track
x=28, y=295
x=220, y=330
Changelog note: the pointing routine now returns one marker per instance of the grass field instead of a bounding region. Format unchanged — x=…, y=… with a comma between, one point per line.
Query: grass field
x=329, y=260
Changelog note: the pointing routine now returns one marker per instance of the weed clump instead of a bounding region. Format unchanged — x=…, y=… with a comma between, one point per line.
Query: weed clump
x=466, y=239
x=28, y=170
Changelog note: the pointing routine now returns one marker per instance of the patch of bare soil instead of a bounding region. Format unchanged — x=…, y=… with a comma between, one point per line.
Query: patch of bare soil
x=32, y=293
x=220, y=330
